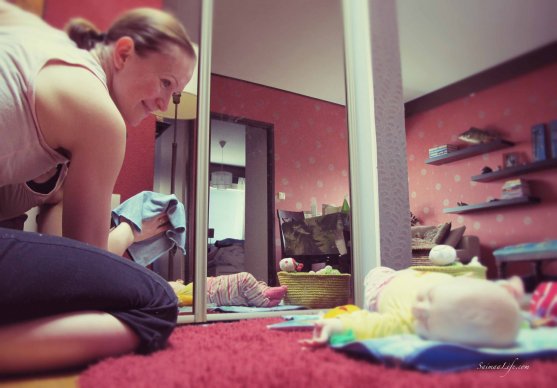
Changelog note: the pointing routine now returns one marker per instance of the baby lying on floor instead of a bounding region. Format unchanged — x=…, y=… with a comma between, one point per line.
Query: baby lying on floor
x=240, y=289
x=436, y=306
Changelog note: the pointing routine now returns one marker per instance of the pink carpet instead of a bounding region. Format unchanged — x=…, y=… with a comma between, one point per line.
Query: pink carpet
x=247, y=354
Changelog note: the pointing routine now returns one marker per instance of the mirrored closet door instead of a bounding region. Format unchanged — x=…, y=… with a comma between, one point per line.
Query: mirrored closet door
x=263, y=63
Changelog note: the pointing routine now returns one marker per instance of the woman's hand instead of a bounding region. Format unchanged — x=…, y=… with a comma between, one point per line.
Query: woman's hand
x=322, y=332
x=149, y=228
x=125, y=234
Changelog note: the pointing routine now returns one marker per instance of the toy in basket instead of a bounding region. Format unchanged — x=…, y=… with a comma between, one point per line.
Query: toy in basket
x=442, y=258
x=326, y=288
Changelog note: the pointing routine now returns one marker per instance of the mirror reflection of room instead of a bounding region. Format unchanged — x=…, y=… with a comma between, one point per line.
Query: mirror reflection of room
x=307, y=140
x=238, y=155
x=273, y=146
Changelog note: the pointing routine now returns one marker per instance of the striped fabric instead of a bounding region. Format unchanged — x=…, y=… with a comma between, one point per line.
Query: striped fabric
x=240, y=289
x=543, y=304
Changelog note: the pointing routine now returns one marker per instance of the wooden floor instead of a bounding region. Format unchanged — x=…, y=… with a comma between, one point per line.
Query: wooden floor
x=50, y=381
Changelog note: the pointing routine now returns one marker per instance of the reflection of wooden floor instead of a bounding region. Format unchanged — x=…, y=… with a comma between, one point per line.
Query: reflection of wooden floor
x=50, y=381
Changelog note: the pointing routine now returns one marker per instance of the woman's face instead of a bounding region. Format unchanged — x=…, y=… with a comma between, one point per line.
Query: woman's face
x=142, y=85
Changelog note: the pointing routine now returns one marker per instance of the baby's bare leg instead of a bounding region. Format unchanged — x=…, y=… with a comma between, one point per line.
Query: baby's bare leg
x=242, y=289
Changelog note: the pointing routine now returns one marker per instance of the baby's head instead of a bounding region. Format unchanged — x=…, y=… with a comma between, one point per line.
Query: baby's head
x=469, y=311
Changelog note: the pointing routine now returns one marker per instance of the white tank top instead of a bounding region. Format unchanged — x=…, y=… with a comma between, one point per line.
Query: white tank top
x=24, y=51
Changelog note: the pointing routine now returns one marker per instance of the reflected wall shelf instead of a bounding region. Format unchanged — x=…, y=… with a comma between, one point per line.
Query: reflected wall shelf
x=491, y=205
x=470, y=151
x=517, y=170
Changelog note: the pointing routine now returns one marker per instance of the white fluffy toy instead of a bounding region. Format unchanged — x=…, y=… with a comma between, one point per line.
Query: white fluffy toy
x=290, y=265
x=442, y=255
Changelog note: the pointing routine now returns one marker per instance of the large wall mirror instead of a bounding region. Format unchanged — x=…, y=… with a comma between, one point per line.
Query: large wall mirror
x=270, y=66
x=265, y=92
x=278, y=130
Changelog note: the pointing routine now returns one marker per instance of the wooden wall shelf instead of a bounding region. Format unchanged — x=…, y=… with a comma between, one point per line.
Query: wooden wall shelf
x=491, y=205
x=470, y=151
x=517, y=170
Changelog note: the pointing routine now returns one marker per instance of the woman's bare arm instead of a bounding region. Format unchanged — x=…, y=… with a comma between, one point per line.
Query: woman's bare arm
x=77, y=115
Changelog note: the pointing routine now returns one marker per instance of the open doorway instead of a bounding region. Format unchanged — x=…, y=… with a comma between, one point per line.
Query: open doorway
x=241, y=207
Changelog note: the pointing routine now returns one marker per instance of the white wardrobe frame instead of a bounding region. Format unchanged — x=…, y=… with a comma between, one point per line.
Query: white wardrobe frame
x=364, y=192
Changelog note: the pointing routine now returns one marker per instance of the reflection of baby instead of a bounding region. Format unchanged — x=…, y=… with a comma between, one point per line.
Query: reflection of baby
x=436, y=306
x=240, y=289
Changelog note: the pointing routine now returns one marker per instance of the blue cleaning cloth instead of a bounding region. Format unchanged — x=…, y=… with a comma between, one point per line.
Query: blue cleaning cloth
x=144, y=206
x=434, y=356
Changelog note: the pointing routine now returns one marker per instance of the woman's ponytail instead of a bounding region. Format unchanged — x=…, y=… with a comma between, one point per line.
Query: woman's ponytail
x=84, y=33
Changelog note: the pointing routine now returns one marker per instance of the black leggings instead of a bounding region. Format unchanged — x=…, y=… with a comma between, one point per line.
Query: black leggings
x=44, y=275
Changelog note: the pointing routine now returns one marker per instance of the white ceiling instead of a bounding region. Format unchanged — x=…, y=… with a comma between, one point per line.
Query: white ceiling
x=297, y=45
x=234, y=135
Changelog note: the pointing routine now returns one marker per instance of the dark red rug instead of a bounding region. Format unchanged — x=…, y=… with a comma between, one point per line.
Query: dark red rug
x=247, y=354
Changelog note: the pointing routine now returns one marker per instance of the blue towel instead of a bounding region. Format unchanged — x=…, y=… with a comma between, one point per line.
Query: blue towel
x=144, y=206
x=412, y=351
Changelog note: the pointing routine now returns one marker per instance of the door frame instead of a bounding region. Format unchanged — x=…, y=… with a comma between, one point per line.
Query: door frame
x=269, y=130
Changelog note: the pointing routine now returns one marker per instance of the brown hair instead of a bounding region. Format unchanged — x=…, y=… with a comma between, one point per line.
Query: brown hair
x=149, y=28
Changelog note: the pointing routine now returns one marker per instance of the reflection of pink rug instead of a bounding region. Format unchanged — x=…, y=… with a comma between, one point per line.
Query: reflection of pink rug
x=247, y=354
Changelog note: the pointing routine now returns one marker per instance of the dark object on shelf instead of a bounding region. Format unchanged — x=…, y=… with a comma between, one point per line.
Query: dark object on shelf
x=470, y=151
x=478, y=136
x=517, y=170
x=493, y=200
x=486, y=170
x=539, y=151
x=413, y=219
x=459, y=203
x=492, y=205
x=511, y=159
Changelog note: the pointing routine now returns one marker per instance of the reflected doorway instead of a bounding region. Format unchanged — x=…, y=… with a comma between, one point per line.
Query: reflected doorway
x=241, y=219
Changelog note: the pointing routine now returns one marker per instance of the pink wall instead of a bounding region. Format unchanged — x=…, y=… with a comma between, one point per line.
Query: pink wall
x=138, y=169
x=511, y=108
x=310, y=136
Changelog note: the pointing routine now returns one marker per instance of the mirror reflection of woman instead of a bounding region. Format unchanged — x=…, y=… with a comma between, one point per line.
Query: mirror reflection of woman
x=63, y=116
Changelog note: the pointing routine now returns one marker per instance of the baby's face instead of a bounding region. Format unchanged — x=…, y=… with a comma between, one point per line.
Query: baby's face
x=467, y=311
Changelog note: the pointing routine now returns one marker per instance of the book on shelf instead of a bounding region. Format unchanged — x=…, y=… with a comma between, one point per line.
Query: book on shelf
x=515, y=188
x=553, y=138
x=442, y=150
x=437, y=153
x=538, y=142
x=444, y=147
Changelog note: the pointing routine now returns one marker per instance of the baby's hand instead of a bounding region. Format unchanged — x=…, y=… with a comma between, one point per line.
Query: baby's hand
x=514, y=286
x=322, y=332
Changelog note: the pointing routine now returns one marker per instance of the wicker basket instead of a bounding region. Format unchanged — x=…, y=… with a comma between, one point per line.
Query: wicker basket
x=315, y=291
x=473, y=271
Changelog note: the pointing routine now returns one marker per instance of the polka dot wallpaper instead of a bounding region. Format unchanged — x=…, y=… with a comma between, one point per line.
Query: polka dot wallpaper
x=510, y=108
x=310, y=140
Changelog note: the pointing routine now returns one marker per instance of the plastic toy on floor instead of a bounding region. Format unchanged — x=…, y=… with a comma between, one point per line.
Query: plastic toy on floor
x=240, y=289
x=543, y=305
